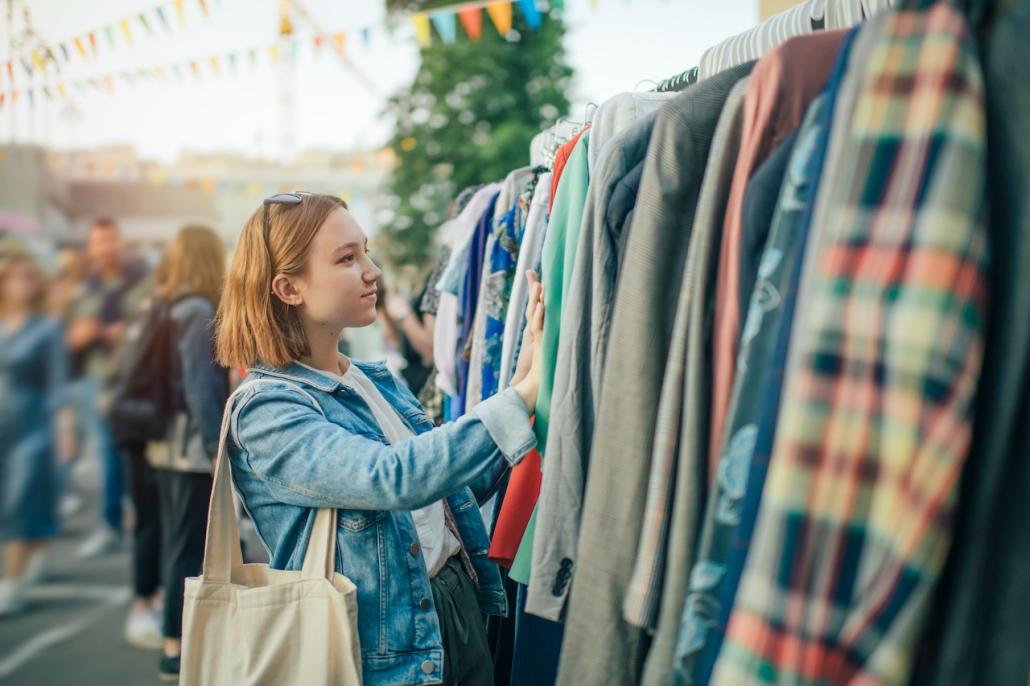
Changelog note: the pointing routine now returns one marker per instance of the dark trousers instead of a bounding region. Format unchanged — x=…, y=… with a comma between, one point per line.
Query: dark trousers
x=466, y=659
x=184, y=502
x=146, y=537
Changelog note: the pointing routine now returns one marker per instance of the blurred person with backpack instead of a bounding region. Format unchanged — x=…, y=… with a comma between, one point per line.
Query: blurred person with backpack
x=174, y=393
x=113, y=288
x=36, y=424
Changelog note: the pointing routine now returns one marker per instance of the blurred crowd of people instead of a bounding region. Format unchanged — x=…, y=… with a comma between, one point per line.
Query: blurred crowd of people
x=68, y=340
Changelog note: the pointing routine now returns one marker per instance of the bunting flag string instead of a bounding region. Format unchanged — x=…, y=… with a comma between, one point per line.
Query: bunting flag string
x=437, y=24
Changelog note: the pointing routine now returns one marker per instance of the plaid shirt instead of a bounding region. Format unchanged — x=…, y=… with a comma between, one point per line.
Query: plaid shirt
x=854, y=522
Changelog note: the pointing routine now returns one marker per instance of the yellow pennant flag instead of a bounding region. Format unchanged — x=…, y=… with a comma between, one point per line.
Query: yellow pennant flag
x=421, y=23
x=215, y=66
x=159, y=72
x=500, y=15
x=60, y=89
x=37, y=58
x=124, y=24
x=80, y=46
x=180, y=9
x=273, y=52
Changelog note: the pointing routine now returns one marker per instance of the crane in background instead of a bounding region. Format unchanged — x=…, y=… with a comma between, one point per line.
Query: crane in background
x=289, y=10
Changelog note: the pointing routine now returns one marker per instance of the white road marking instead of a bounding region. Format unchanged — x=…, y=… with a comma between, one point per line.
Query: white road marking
x=108, y=595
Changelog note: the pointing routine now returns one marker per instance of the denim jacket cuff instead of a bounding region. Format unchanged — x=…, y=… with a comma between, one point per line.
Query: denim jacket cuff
x=507, y=421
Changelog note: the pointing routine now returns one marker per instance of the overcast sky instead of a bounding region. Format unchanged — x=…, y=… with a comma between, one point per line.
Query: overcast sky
x=612, y=47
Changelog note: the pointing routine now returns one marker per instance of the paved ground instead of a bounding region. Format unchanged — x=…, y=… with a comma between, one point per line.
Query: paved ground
x=71, y=633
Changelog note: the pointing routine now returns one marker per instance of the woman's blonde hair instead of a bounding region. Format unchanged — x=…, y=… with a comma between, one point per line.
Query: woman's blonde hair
x=193, y=263
x=19, y=258
x=253, y=325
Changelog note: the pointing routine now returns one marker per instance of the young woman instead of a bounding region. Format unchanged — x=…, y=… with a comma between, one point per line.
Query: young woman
x=36, y=424
x=190, y=281
x=320, y=430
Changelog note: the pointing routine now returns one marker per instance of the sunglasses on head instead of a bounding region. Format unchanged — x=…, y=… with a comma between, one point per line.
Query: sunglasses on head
x=294, y=198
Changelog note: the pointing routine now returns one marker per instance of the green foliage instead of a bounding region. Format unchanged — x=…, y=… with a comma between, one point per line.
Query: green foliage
x=468, y=118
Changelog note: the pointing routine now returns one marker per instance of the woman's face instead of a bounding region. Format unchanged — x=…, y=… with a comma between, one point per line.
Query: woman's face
x=339, y=288
x=20, y=286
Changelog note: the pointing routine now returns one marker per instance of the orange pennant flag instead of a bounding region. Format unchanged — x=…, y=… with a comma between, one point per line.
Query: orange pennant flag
x=109, y=82
x=338, y=40
x=319, y=42
x=180, y=9
x=195, y=67
x=2, y=96
x=79, y=46
x=500, y=14
x=472, y=20
x=203, y=6
x=93, y=42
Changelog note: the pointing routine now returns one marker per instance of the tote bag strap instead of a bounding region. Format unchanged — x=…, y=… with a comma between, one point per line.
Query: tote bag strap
x=222, y=550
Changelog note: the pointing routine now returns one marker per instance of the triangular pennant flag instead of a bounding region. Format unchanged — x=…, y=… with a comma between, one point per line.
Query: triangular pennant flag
x=215, y=66
x=203, y=6
x=2, y=98
x=60, y=89
x=38, y=60
x=445, y=26
x=10, y=71
x=294, y=46
x=195, y=68
x=109, y=82
x=319, y=42
x=339, y=40
x=146, y=24
x=500, y=15
x=46, y=92
x=232, y=62
x=65, y=52
x=366, y=36
x=14, y=96
x=253, y=57
x=27, y=66
x=53, y=58
x=93, y=42
x=531, y=13
x=273, y=52
x=180, y=9
x=472, y=21
x=124, y=24
x=77, y=41
x=160, y=12
x=159, y=72
x=109, y=34
x=421, y=23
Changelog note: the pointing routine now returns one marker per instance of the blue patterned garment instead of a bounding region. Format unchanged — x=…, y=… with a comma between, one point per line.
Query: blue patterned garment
x=502, y=258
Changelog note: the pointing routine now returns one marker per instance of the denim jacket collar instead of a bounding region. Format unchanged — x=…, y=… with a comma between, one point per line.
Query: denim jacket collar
x=298, y=373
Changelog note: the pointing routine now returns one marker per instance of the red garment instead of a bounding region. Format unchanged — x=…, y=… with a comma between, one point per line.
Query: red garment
x=779, y=90
x=561, y=158
x=516, y=509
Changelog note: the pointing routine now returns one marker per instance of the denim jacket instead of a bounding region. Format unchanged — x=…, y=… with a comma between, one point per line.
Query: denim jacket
x=301, y=440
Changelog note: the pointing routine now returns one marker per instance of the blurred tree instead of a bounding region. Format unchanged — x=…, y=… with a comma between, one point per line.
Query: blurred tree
x=467, y=118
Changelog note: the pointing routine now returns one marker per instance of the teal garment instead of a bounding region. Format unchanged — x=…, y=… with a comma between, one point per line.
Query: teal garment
x=559, y=257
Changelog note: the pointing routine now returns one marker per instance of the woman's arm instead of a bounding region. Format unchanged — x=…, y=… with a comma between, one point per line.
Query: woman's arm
x=306, y=460
x=205, y=385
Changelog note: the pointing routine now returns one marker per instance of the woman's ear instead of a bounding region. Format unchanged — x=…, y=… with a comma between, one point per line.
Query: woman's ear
x=287, y=291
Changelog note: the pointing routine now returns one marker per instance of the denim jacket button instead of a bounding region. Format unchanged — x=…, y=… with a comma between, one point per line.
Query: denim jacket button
x=425, y=604
x=415, y=549
x=428, y=667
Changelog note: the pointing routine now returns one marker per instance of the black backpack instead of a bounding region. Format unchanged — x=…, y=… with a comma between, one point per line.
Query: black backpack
x=140, y=385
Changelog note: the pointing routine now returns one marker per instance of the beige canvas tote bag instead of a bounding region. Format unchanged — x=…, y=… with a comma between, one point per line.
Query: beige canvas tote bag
x=248, y=624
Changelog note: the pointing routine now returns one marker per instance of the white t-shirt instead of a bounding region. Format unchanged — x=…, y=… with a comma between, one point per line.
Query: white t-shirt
x=436, y=540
